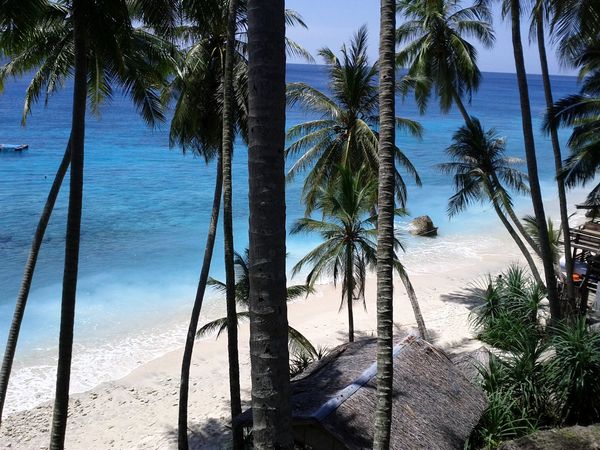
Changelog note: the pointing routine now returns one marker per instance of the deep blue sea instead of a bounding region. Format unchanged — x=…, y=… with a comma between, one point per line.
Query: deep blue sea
x=146, y=211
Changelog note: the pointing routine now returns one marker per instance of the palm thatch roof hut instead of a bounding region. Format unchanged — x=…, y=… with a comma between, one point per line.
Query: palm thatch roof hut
x=333, y=401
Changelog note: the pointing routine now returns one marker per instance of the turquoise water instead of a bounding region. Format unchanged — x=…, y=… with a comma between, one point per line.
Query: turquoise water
x=146, y=210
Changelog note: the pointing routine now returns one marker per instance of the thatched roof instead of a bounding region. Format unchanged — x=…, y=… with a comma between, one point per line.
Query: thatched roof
x=470, y=363
x=435, y=406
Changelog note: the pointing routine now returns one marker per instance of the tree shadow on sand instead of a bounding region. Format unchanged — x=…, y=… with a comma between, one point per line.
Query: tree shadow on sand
x=471, y=296
x=211, y=434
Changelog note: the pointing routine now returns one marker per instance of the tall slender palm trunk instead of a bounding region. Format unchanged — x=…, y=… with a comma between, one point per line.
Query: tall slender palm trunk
x=350, y=291
x=232, y=330
x=385, y=226
x=562, y=195
x=534, y=183
x=69, y=291
x=182, y=423
x=269, y=355
x=36, y=244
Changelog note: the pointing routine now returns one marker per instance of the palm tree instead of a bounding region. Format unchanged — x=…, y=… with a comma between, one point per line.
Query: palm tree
x=228, y=136
x=269, y=355
x=198, y=125
x=348, y=230
x=438, y=52
x=69, y=292
x=46, y=46
x=349, y=248
x=574, y=25
x=345, y=135
x=386, y=206
x=538, y=20
x=581, y=112
x=298, y=342
x=479, y=169
x=513, y=7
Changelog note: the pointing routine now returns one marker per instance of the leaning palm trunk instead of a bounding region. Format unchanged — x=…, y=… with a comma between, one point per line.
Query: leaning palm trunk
x=562, y=195
x=186, y=362
x=269, y=355
x=412, y=297
x=38, y=238
x=461, y=107
x=511, y=213
x=69, y=290
x=232, y=331
x=534, y=183
x=385, y=227
x=519, y=242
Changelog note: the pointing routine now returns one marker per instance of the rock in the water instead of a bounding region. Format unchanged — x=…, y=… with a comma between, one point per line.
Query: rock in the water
x=423, y=226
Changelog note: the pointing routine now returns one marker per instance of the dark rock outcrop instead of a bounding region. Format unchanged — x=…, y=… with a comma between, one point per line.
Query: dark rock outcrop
x=423, y=226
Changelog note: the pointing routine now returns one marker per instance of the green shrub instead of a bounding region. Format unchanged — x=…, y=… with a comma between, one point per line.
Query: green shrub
x=509, y=309
x=574, y=372
x=504, y=417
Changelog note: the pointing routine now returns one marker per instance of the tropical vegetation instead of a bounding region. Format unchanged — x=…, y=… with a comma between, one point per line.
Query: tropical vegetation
x=543, y=376
x=482, y=174
x=299, y=344
x=345, y=135
x=437, y=53
x=220, y=66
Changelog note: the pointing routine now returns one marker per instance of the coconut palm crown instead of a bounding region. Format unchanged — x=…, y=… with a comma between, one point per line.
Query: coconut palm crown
x=346, y=133
x=582, y=112
x=437, y=51
x=126, y=56
x=479, y=168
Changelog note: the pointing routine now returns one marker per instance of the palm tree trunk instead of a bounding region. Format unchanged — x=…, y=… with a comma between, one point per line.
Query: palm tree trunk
x=38, y=238
x=461, y=107
x=519, y=242
x=534, y=183
x=385, y=226
x=186, y=362
x=232, y=329
x=511, y=213
x=350, y=290
x=69, y=291
x=562, y=195
x=414, y=302
x=269, y=355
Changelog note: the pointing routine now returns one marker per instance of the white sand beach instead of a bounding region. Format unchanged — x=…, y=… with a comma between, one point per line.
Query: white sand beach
x=139, y=411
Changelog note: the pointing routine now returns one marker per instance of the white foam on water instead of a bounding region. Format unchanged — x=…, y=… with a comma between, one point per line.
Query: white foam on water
x=100, y=356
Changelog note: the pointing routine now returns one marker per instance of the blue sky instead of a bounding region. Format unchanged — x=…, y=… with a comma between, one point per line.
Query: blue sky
x=332, y=22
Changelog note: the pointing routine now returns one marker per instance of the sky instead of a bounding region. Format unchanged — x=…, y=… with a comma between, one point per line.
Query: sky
x=333, y=22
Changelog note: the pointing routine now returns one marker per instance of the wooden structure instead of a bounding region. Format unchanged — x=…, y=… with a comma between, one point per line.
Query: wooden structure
x=585, y=244
x=333, y=401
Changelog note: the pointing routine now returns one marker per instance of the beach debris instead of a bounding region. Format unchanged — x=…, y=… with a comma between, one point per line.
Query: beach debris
x=423, y=226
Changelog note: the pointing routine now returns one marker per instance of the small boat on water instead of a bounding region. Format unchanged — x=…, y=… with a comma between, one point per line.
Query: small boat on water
x=15, y=148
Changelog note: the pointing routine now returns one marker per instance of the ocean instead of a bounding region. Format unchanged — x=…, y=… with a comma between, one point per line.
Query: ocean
x=146, y=211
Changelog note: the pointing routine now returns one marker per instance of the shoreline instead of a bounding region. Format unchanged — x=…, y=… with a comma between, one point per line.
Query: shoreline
x=139, y=410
